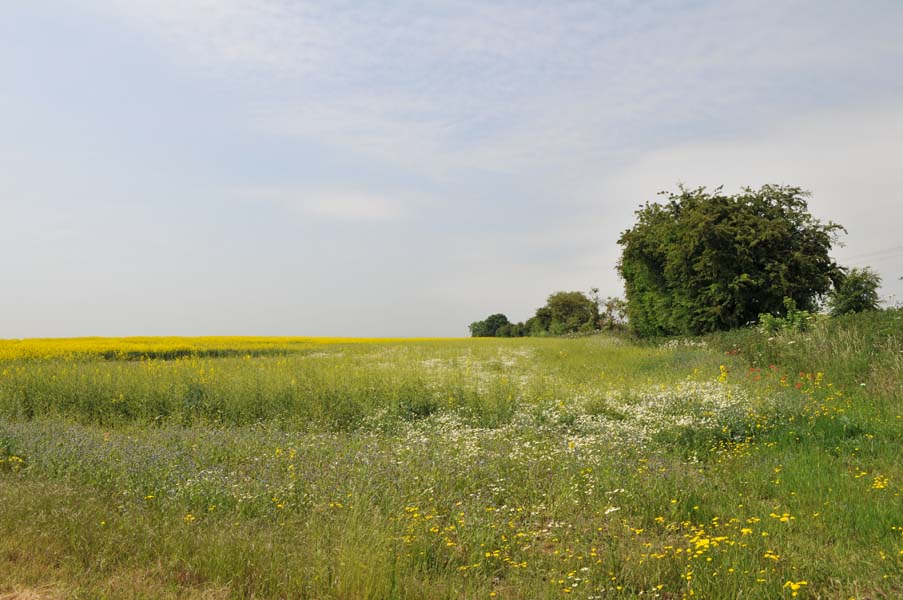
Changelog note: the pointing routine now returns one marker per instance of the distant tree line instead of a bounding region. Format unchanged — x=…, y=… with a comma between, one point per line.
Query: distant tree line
x=563, y=313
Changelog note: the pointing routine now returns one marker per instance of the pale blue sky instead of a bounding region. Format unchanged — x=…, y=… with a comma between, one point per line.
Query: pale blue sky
x=404, y=168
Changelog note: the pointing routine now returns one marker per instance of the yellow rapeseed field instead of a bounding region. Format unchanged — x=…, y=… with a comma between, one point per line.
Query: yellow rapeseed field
x=129, y=347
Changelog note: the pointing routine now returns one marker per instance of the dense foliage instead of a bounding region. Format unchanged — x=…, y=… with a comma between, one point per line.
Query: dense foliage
x=565, y=312
x=706, y=261
x=794, y=320
x=856, y=292
x=490, y=326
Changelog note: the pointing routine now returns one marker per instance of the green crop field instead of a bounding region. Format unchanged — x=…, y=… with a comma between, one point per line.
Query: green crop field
x=734, y=466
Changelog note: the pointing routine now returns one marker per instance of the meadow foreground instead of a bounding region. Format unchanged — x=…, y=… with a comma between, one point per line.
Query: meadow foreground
x=485, y=468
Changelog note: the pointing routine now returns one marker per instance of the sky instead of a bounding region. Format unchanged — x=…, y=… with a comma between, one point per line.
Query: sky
x=274, y=167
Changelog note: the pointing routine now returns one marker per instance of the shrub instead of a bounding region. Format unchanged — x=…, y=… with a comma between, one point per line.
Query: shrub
x=793, y=320
x=857, y=292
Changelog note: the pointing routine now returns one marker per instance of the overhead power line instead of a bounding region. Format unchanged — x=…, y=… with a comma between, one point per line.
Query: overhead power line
x=892, y=250
x=876, y=256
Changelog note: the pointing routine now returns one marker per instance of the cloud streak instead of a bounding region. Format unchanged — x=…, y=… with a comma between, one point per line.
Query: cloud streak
x=513, y=87
x=331, y=204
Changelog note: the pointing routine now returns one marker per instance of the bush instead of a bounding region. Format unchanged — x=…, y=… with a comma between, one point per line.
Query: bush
x=794, y=320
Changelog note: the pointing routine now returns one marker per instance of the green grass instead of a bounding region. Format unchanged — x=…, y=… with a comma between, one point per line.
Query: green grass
x=523, y=468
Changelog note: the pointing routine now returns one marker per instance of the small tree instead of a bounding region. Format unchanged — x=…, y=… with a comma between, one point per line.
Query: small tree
x=613, y=313
x=477, y=329
x=488, y=327
x=539, y=324
x=567, y=312
x=857, y=291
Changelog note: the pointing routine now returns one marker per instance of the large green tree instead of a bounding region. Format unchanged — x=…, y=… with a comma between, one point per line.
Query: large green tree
x=706, y=261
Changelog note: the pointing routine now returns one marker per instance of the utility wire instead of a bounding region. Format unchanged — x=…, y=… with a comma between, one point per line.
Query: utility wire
x=891, y=250
x=875, y=260
x=874, y=257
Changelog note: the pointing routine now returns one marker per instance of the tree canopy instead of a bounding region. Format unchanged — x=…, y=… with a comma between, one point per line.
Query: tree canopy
x=707, y=261
x=570, y=312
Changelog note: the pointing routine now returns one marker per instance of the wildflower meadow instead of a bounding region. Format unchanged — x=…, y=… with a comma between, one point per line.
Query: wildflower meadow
x=731, y=466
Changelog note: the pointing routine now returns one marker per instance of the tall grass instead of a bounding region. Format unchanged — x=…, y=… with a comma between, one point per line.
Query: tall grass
x=860, y=350
x=339, y=386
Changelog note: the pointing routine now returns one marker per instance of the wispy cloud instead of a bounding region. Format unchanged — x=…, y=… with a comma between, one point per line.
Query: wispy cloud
x=515, y=87
x=331, y=204
x=226, y=36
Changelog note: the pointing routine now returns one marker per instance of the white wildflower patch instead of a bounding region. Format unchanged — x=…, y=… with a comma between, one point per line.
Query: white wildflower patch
x=684, y=343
